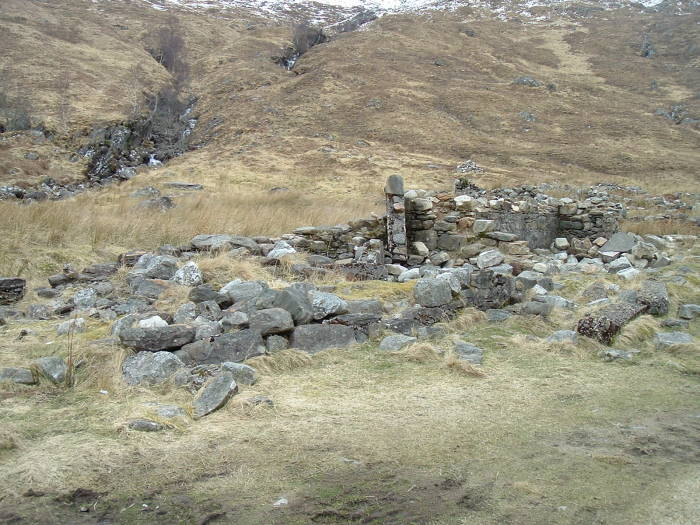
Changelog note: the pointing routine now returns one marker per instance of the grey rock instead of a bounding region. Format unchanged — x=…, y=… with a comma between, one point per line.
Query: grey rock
x=186, y=186
x=629, y=273
x=276, y=343
x=689, y=311
x=432, y=292
x=394, y=343
x=214, y=394
x=207, y=330
x=53, y=368
x=150, y=368
x=232, y=346
x=621, y=263
x=154, y=266
x=498, y=316
x=20, y=376
x=489, y=258
x=365, y=306
x=209, y=242
x=297, y=303
x=154, y=321
x=189, y=275
x=155, y=339
x=468, y=352
x=281, y=249
x=204, y=292
x=619, y=242
x=150, y=288
x=605, y=323
x=536, y=308
x=75, y=326
x=271, y=321
x=145, y=425
x=209, y=310
x=408, y=275
x=85, y=298
x=452, y=280
x=185, y=313
x=326, y=305
x=233, y=320
x=239, y=291
x=563, y=336
x=242, y=374
x=613, y=354
x=672, y=340
x=313, y=338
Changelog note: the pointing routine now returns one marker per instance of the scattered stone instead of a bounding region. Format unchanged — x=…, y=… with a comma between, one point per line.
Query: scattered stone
x=326, y=305
x=468, y=352
x=276, y=343
x=74, y=325
x=432, y=292
x=281, y=249
x=235, y=347
x=394, y=343
x=629, y=274
x=243, y=374
x=619, y=242
x=498, y=316
x=489, y=258
x=152, y=322
x=672, y=340
x=20, y=376
x=150, y=368
x=214, y=394
x=85, y=298
x=563, y=336
x=145, y=425
x=53, y=368
x=612, y=354
x=689, y=311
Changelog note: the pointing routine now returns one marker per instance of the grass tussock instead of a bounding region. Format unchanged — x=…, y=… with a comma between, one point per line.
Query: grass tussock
x=282, y=361
x=638, y=331
x=419, y=353
x=454, y=363
x=467, y=319
x=222, y=269
x=8, y=440
x=40, y=238
x=101, y=368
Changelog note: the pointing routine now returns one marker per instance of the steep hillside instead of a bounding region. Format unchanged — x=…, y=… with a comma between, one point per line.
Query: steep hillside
x=416, y=91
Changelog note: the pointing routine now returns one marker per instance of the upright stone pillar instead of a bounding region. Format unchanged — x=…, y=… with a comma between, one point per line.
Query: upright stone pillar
x=396, y=242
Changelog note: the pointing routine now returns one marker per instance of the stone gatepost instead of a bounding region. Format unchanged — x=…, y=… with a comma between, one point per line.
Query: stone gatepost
x=396, y=242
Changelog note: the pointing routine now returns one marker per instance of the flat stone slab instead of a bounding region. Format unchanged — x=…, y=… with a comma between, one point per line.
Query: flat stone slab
x=189, y=186
x=313, y=338
x=214, y=394
x=20, y=376
x=672, y=340
x=394, y=343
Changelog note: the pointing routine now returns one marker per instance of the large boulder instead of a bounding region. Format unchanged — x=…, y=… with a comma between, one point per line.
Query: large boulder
x=214, y=394
x=432, y=292
x=316, y=337
x=158, y=338
x=150, y=368
x=154, y=266
x=233, y=346
x=271, y=321
x=297, y=303
x=654, y=295
x=243, y=374
x=605, y=323
x=11, y=289
x=208, y=242
x=240, y=291
x=326, y=304
x=619, y=242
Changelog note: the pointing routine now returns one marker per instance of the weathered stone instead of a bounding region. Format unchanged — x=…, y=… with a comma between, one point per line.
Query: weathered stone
x=281, y=249
x=75, y=326
x=271, y=321
x=233, y=320
x=497, y=315
x=605, y=323
x=563, y=336
x=20, y=376
x=154, y=266
x=145, y=425
x=150, y=288
x=672, y=340
x=536, y=308
x=316, y=337
x=619, y=242
x=53, y=368
x=365, y=306
x=468, y=352
x=204, y=292
x=159, y=338
x=394, y=185
x=189, y=275
x=432, y=292
x=326, y=304
x=11, y=289
x=420, y=248
x=85, y=298
x=483, y=226
x=489, y=258
x=233, y=346
x=214, y=394
x=209, y=242
x=621, y=263
x=206, y=330
x=561, y=243
x=239, y=291
x=629, y=273
x=243, y=374
x=150, y=368
x=276, y=343
x=394, y=343
x=689, y=311
x=297, y=303
x=654, y=295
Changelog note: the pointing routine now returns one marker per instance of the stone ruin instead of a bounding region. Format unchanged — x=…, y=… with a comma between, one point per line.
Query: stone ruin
x=443, y=228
